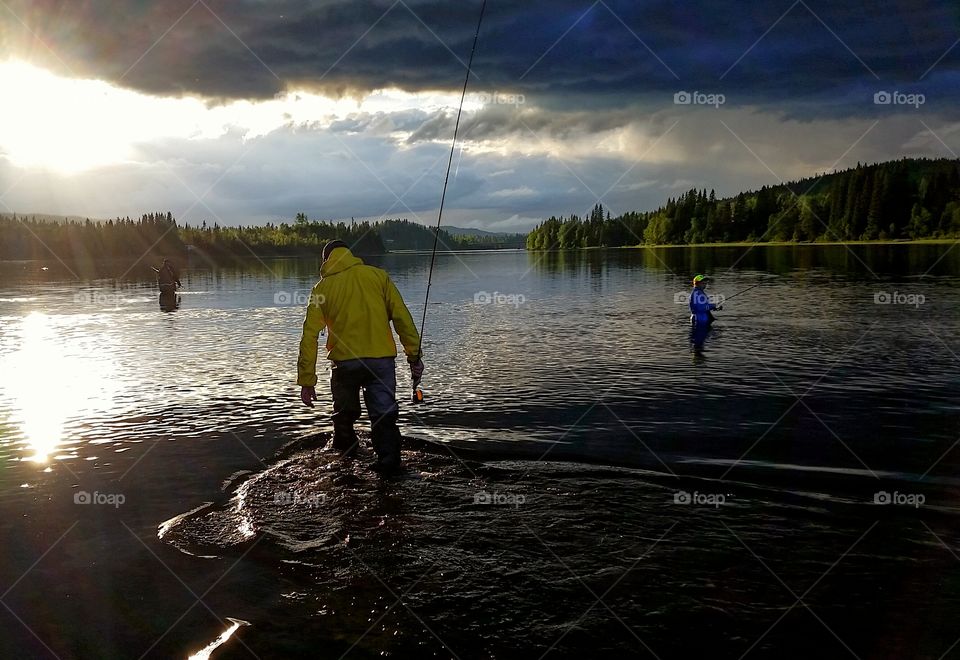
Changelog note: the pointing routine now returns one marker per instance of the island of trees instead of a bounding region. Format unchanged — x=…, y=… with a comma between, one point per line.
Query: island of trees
x=160, y=234
x=904, y=199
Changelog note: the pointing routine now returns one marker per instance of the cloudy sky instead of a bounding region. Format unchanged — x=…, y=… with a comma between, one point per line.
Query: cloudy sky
x=243, y=111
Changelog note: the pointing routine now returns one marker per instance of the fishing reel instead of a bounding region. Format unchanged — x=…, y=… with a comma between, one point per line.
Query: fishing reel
x=417, y=393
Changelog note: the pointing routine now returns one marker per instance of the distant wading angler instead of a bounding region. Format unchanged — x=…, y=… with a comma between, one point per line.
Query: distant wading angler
x=356, y=303
x=168, y=277
x=701, y=313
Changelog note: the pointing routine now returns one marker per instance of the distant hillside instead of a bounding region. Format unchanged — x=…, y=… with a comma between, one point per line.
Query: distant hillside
x=903, y=199
x=406, y=235
x=471, y=231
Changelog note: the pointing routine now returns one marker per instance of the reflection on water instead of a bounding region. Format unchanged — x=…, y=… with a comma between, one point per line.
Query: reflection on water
x=207, y=651
x=169, y=301
x=520, y=346
x=34, y=366
x=50, y=381
x=583, y=358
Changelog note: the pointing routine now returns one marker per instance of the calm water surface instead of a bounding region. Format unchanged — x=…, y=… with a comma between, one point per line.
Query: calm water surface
x=645, y=499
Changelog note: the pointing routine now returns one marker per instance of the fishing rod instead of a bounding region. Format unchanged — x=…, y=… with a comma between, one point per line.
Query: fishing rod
x=739, y=292
x=417, y=392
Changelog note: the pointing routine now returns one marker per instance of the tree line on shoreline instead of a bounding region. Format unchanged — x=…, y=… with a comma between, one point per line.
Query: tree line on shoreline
x=160, y=234
x=903, y=199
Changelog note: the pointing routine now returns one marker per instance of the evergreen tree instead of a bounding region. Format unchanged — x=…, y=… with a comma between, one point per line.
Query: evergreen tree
x=878, y=200
x=919, y=225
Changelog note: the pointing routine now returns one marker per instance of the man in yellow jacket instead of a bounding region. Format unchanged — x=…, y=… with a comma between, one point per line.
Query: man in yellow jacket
x=356, y=303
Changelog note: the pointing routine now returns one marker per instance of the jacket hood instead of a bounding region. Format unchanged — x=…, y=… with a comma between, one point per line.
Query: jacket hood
x=339, y=260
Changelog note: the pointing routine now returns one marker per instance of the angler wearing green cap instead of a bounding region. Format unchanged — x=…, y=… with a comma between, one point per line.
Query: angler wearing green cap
x=700, y=306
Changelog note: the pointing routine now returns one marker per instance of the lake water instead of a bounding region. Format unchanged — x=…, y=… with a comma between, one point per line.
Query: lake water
x=581, y=482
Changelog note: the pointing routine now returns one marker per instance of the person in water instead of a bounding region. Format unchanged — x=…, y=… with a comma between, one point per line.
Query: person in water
x=356, y=303
x=701, y=314
x=700, y=306
x=168, y=277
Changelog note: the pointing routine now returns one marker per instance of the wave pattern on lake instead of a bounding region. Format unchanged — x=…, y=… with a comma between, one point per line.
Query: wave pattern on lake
x=564, y=387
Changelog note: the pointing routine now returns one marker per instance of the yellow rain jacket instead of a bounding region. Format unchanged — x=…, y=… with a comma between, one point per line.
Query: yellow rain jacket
x=356, y=303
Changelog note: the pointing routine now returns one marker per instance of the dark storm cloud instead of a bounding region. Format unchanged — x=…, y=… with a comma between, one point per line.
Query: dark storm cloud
x=818, y=58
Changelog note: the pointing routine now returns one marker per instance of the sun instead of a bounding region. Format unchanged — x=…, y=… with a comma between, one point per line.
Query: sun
x=72, y=125
x=58, y=123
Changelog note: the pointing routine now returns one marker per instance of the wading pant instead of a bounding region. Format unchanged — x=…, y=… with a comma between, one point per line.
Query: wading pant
x=698, y=336
x=377, y=378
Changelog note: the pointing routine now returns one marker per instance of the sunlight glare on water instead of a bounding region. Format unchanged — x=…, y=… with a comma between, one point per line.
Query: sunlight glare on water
x=50, y=381
x=205, y=652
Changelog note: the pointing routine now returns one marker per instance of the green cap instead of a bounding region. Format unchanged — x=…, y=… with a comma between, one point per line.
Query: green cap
x=700, y=278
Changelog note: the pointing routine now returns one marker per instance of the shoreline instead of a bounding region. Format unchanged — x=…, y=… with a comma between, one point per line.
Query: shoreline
x=747, y=244
x=239, y=257
x=641, y=246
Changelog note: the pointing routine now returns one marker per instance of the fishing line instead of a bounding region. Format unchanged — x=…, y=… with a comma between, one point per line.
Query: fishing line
x=739, y=292
x=456, y=172
x=418, y=396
